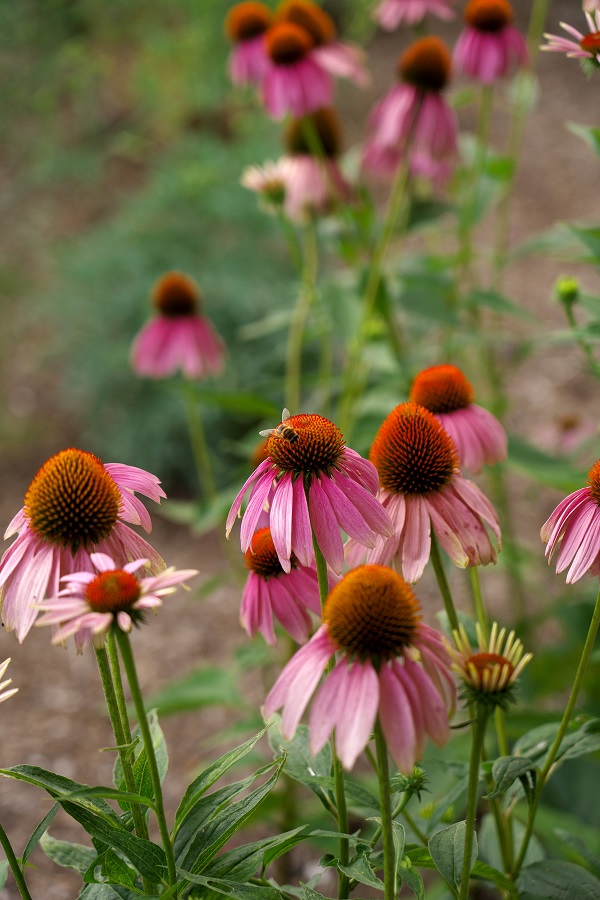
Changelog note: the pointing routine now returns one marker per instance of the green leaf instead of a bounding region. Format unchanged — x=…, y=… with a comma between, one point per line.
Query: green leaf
x=250, y=405
x=233, y=889
x=111, y=868
x=490, y=850
x=425, y=212
x=496, y=302
x=553, y=471
x=224, y=824
x=553, y=879
x=210, y=775
x=421, y=857
x=308, y=893
x=300, y=764
x=584, y=855
x=207, y=686
x=67, y=854
x=242, y=862
x=447, y=851
x=141, y=771
x=590, y=135
x=589, y=237
x=125, y=798
x=39, y=831
x=3, y=872
x=361, y=869
x=59, y=785
x=581, y=738
x=428, y=296
x=508, y=768
x=411, y=877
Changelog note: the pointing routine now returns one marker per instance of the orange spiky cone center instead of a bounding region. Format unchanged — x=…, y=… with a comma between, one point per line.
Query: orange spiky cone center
x=591, y=43
x=261, y=557
x=372, y=613
x=247, y=20
x=288, y=43
x=593, y=480
x=73, y=501
x=426, y=64
x=114, y=591
x=442, y=389
x=488, y=15
x=317, y=448
x=311, y=17
x=176, y=295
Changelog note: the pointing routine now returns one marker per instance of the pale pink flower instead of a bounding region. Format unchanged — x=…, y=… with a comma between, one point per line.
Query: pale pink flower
x=312, y=483
x=391, y=13
x=489, y=43
x=340, y=58
x=4, y=695
x=389, y=665
x=413, y=119
x=585, y=46
x=245, y=25
x=575, y=525
x=294, y=82
x=92, y=602
x=590, y=6
x=268, y=181
x=270, y=591
x=179, y=337
x=74, y=506
x=422, y=488
x=479, y=437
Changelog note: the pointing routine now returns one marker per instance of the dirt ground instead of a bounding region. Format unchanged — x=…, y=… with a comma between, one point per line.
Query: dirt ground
x=57, y=720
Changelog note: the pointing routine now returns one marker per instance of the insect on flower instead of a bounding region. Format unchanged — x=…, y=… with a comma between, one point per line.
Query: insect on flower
x=284, y=431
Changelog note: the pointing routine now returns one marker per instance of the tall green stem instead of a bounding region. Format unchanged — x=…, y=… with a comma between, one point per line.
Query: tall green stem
x=477, y=739
x=14, y=865
x=475, y=177
x=553, y=752
x=300, y=316
x=385, y=793
x=478, y=603
x=138, y=701
x=440, y=574
x=199, y=444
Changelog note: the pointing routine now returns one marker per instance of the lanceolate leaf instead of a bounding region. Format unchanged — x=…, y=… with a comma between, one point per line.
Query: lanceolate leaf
x=39, y=832
x=447, y=851
x=233, y=889
x=553, y=879
x=68, y=855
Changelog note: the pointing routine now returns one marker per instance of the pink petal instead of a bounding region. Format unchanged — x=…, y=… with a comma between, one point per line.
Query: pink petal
x=395, y=715
x=282, y=508
x=330, y=700
x=416, y=545
x=302, y=543
x=356, y=718
x=325, y=526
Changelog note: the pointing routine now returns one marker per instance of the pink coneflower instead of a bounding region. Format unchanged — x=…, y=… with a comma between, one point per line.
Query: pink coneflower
x=313, y=482
x=575, y=525
x=590, y=6
x=270, y=591
x=390, y=665
x=391, y=13
x=268, y=181
x=179, y=337
x=422, y=488
x=313, y=180
x=489, y=674
x=479, y=437
x=74, y=506
x=339, y=58
x=92, y=602
x=585, y=46
x=245, y=26
x=294, y=81
x=413, y=119
x=4, y=695
x=490, y=42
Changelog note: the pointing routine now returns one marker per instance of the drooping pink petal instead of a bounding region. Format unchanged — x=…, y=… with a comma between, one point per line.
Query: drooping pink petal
x=289, y=609
x=435, y=713
x=260, y=493
x=348, y=517
x=282, y=509
x=371, y=509
x=330, y=701
x=263, y=467
x=356, y=719
x=302, y=544
x=325, y=526
x=416, y=545
x=359, y=469
x=396, y=717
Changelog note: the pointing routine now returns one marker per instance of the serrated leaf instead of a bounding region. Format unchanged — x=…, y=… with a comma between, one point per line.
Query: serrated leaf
x=506, y=769
x=411, y=877
x=38, y=832
x=68, y=854
x=212, y=773
x=308, y=893
x=447, y=852
x=554, y=879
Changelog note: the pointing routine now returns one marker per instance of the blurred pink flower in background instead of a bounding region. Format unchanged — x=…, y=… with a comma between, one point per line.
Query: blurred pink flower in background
x=312, y=482
x=479, y=437
x=245, y=26
x=489, y=43
x=91, y=602
x=389, y=665
x=271, y=591
x=391, y=13
x=179, y=337
x=75, y=505
x=413, y=120
x=294, y=82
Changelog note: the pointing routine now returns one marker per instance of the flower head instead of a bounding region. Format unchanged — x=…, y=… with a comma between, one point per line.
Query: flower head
x=489, y=42
x=179, y=337
x=585, y=46
x=390, y=665
x=245, y=25
x=489, y=674
x=4, y=695
x=312, y=483
x=268, y=181
x=74, y=506
x=575, y=525
x=271, y=591
x=294, y=82
x=479, y=437
x=92, y=602
x=391, y=13
x=421, y=488
x=413, y=119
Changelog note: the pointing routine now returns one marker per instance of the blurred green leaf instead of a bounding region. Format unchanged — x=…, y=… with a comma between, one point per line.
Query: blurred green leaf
x=67, y=854
x=554, y=471
x=206, y=686
x=590, y=135
x=553, y=879
x=497, y=303
x=447, y=852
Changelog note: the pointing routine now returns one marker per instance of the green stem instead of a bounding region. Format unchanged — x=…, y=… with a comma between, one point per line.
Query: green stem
x=138, y=701
x=536, y=28
x=440, y=574
x=478, y=603
x=478, y=736
x=383, y=773
x=300, y=315
x=552, y=753
x=474, y=184
x=117, y=680
x=355, y=372
x=122, y=736
x=418, y=831
x=199, y=443
x=14, y=865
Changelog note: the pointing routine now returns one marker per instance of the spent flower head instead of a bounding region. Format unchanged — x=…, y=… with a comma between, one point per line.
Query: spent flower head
x=389, y=665
x=490, y=672
x=76, y=505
